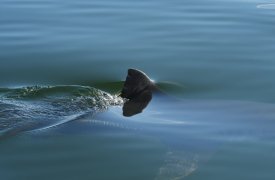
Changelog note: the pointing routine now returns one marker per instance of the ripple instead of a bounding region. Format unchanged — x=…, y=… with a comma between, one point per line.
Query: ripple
x=266, y=6
x=39, y=108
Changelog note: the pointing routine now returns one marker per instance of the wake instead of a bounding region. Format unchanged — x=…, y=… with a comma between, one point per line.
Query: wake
x=40, y=108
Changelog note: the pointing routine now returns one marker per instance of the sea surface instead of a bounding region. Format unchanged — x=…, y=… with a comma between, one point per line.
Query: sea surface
x=62, y=66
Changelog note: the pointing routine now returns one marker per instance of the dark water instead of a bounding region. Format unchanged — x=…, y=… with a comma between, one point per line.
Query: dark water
x=215, y=58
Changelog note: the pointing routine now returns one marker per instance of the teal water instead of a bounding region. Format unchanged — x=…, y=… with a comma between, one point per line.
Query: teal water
x=214, y=60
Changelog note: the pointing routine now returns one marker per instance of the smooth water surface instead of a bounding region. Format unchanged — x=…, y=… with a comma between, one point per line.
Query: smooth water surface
x=214, y=59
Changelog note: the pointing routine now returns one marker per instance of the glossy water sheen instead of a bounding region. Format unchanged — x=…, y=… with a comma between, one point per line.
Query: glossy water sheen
x=215, y=55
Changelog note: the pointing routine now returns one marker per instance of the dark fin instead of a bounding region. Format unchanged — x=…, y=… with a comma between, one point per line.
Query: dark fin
x=136, y=82
x=136, y=105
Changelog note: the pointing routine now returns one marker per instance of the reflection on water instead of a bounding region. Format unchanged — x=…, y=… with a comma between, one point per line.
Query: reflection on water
x=135, y=106
x=170, y=139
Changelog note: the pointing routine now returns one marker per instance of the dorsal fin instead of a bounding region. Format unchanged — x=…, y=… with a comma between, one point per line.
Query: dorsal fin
x=136, y=82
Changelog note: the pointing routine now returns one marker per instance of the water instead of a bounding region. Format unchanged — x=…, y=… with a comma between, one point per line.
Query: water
x=214, y=59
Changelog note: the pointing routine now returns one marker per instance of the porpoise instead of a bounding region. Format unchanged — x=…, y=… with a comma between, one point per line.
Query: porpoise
x=137, y=90
x=38, y=107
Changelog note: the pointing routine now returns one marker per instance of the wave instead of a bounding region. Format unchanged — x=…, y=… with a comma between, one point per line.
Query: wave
x=266, y=6
x=42, y=107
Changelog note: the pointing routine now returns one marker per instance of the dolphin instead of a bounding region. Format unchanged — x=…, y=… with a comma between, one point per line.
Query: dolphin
x=192, y=131
x=37, y=107
x=137, y=89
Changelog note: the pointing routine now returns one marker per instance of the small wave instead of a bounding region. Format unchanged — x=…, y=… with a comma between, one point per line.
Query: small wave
x=43, y=107
x=266, y=6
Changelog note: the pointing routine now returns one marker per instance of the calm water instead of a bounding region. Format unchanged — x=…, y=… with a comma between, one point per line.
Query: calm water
x=215, y=58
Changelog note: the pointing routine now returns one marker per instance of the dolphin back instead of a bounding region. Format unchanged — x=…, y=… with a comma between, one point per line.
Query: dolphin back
x=138, y=90
x=135, y=84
